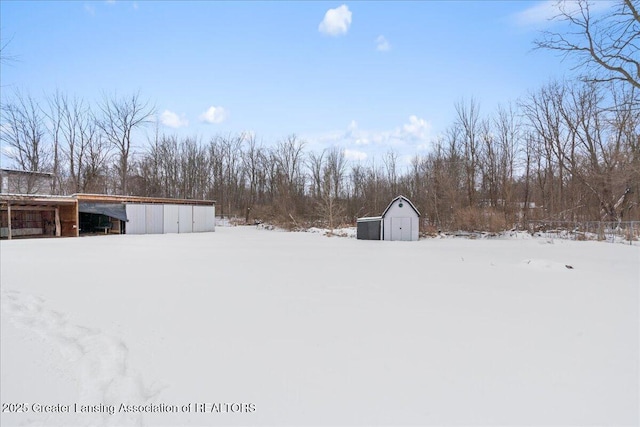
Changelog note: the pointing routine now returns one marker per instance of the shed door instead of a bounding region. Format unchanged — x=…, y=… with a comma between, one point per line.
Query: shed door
x=186, y=219
x=171, y=218
x=401, y=228
x=200, y=214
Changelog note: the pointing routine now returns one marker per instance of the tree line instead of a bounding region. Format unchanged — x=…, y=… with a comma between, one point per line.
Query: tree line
x=567, y=151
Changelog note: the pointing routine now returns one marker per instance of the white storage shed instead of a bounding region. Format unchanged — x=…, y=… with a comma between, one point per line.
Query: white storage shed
x=399, y=221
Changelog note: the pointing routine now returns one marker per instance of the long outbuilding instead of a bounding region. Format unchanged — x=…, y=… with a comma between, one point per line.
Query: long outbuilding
x=33, y=215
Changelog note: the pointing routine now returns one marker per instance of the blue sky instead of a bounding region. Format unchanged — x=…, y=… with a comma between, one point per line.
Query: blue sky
x=365, y=76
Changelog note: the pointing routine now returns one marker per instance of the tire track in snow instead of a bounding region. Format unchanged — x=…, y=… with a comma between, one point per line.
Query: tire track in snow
x=100, y=361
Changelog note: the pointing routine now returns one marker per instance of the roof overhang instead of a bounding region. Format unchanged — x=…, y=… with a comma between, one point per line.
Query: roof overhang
x=104, y=198
x=35, y=200
x=370, y=219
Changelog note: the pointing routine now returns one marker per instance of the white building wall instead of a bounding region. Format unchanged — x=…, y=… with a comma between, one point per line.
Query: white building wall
x=185, y=219
x=401, y=223
x=155, y=219
x=159, y=219
x=136, y=219
x=211, y=219
x=171, y=218
x=203, y=218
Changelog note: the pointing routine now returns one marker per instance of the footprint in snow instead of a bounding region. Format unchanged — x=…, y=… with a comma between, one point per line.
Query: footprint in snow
x=100, y=361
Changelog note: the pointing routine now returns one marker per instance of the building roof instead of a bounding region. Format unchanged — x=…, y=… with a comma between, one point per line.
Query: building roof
x=19, y=172
x=84, y=197
x=35, y=199
x=45, y=199
x=369, y=218
x=403, y=198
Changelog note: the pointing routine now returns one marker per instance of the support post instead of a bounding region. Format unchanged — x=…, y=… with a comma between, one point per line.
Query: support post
x=9, y=220
x=57, y=222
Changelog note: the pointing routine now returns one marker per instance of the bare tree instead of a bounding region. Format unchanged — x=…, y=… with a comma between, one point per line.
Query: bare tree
x=5, y=56
x=335, y=168
x=54, y=115
x=390, y=161
x=468, y=121
x=97, y=154
x=543, y=113
x=120, y=118
x=288, y=156
x=194, y=169
x=599, y=158
x=77, y=132
x=488, y=165
x=606, y=45
x=331, y=166
x=253, y=165
x=315, y=162
x=507, y=130
x=24, y=132
x=150, y=167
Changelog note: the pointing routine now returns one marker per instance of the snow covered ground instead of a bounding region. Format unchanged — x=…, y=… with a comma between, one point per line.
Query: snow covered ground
x=262, y=327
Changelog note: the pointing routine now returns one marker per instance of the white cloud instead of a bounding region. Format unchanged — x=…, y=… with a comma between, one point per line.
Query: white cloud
x=135, y=5
x=382, y=44
x=417, y=128
x=543, y=12
x=336, y=21
x=409, y=138
x=214, y=115
x=354, y=155
x=173, y=120
x=351, y=129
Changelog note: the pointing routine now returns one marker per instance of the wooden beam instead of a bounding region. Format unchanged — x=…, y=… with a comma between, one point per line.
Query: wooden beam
x=32, y=208
x=57, y=222
x=76, y=226
x=96, y=198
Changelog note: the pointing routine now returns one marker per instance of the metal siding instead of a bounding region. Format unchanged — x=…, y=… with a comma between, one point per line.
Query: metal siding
x=136, y=219
x=185, y=223
x=211, y=219
x=369, y=230
x=362, y=232
x=386, y=228
x=203, y=218
x=415, y=228
x=171, y=216
x=400, y=223
x=155, y=219
x=199, y=218
x=406, y=229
